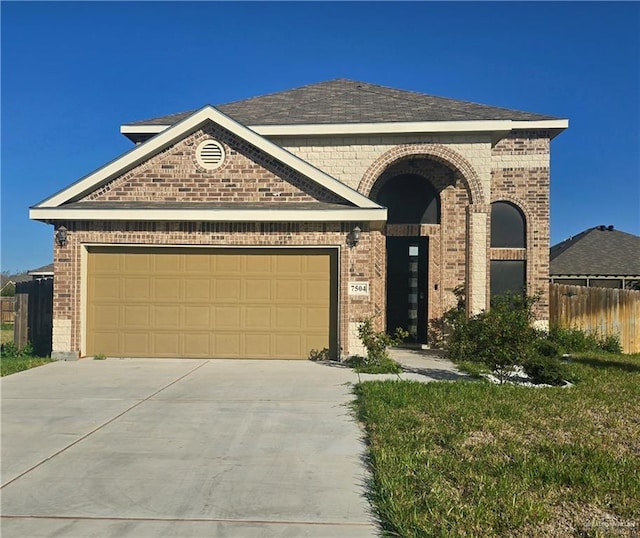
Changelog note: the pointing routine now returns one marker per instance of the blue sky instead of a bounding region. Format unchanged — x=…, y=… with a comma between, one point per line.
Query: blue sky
x=73, y=72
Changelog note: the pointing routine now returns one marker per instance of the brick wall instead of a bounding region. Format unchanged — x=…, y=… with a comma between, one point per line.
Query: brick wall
x=247, y=175
x=366, y=262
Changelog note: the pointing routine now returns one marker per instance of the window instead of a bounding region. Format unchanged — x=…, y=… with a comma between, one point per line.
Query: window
x=508, y=228
x=410, y=199
x=507, y=276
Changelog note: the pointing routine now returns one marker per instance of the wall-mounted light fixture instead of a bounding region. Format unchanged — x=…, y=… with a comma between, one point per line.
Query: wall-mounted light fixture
x=354, y=237
x=61, y=236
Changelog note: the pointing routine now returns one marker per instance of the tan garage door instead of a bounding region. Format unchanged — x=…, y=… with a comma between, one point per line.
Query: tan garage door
x=223, y=303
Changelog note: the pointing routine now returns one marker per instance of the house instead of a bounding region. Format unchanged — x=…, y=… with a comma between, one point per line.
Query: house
x=601, y=257
x=271, y=226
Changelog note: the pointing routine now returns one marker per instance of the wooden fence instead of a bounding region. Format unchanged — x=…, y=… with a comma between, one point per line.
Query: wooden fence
x=603, y=310
x=34, y=315
x=7, y=309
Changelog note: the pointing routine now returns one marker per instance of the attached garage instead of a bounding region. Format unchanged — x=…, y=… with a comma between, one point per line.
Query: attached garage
x=260, y=303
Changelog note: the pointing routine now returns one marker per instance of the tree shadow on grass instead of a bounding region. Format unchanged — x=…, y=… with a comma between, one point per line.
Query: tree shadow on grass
x=625, y=366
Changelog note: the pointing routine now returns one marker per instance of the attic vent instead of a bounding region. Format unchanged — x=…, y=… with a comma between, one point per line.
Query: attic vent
x=210, y=154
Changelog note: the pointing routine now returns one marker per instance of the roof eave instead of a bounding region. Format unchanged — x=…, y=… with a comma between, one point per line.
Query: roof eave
x=355, y=214
x=555, y=126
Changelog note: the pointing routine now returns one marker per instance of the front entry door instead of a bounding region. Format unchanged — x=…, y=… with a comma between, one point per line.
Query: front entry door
x=407, y=262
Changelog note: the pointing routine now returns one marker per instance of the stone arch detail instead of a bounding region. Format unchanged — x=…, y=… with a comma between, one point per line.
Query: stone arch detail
x=438, y=153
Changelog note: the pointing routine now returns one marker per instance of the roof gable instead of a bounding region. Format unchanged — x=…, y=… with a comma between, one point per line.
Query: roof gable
x=600, y=251
x=177, y=132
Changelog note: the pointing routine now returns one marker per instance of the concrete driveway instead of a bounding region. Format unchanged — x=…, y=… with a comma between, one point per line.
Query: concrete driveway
x=182, y=448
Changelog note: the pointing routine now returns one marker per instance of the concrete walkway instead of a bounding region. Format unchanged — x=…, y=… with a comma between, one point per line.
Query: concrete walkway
x=188, y=448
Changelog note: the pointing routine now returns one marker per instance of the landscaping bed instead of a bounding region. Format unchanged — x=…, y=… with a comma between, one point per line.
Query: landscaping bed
x=471, y=458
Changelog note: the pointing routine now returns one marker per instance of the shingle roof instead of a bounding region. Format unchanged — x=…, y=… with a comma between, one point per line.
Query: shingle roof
x=597, y=251
x=349, y=101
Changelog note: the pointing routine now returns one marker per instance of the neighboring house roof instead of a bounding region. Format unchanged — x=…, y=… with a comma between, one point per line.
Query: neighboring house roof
x=61, y=205
x=598, y=251
x=351, y=101
x=44, y=271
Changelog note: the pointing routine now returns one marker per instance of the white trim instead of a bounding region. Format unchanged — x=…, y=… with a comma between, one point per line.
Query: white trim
x=183, y=128
x=211, y=215
x=379, y=128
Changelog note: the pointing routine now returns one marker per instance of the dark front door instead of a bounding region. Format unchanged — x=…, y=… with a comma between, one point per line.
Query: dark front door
x=407, y=262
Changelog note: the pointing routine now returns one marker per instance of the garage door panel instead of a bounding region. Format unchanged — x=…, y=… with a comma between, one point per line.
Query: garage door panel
x=288, y=317
x=136, y=343
x=227, y=345
x=230, y=264
x=198, y=264
x=188, y=302
x=317, y=264
x=197, y=344
x=166, y=288
x=257, y=290
x=259, y=264
x=107, y=315
x=317, y=318
x=197, y=317
x=288, y=263
x=228, y=317
x=197, y=290
x=106, y=288
x=257, y=345
x=227, y=289
x=169, y=264
x=103, y=341
x=165, y=316
x=288, y=345
x=137, y=288
x=165, y=344
x=258, y=317
x=317, y=342
x=288, y=290
x=137, y=316
x=140, y=263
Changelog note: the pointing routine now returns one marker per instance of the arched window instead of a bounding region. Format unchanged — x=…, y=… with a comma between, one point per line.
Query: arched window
x=508, y=227
x=410, y=199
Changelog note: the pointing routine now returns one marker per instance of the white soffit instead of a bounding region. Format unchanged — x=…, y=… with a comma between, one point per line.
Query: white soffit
x=170, y=135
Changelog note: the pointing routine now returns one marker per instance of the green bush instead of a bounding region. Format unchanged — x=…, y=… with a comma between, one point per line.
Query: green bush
x=546, y=369
x=10, y=351
x=501, y=338
x=363, y=366
x=378, y=342
x=574, y=340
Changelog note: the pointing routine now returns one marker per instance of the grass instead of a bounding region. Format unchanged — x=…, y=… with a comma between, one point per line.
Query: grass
x=6, y=333
x=471, y=458
x=12, y=365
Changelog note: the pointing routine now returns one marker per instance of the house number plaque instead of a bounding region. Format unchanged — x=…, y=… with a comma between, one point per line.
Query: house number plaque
x=359, y=288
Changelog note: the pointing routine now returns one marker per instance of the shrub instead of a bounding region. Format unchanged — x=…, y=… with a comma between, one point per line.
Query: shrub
x=10, y=351
x=319, y=355
x=546, y=369
x=378, y=342
x=574, y=340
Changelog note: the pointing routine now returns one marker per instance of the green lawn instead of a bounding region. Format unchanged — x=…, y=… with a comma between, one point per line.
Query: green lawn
x=11, y=365
x=474, y=459
x=6, y=333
